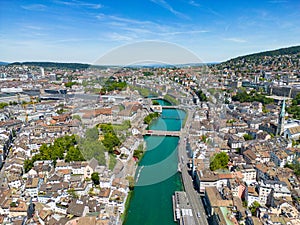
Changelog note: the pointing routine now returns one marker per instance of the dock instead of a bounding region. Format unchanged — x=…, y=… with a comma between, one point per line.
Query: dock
x=182, y=211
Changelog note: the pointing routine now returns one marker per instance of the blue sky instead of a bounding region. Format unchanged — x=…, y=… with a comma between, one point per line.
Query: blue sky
x=83, y=31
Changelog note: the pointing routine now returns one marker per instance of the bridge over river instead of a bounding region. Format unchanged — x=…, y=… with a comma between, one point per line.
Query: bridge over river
x=162, y=133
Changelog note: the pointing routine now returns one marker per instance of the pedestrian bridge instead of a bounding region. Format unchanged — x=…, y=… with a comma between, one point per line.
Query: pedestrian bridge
x=162, y=133
x=171, y=107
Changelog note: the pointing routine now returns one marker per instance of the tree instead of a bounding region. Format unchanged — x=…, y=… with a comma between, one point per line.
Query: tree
x=110, y=141
x=3, y=104
x=219, y=161
x=255, y=205
x=204, y=138
x=295, y=167
x=76, y=117
x=201, y=96
x=131, y=182
x=56, y=151
x=247, y=137
x=13, y=204
x=28, y=164
x=95, y=178
x=294, y=109
x=252, y=97
x=72, y=192
x=150, y=117
x=73, y=154
x=106, y=128
x=70, y=84
x=148, y=73
x=154, y=102
x=112, y=85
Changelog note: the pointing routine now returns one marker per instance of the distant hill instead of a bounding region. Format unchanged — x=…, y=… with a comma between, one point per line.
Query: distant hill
x=85, y=66
x=289, y=58
x=3, y=63
x=54, y=65
x=282, y=51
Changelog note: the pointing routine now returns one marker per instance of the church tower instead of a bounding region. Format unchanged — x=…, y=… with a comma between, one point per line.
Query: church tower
x=280, y=125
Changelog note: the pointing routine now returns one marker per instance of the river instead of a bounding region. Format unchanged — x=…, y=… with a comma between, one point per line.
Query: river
x=156, y=177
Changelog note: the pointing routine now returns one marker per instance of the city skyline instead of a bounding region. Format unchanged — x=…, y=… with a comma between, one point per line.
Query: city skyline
x=84, y=31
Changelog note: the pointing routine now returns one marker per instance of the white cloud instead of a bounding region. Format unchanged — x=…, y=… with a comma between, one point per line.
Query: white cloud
x=128, y=24
x=138, y=30
x=194, y=3
x=236, y=40
x=277, y=1
x=119, y=37
x=80, y=3
x=126, y=29
x=32, y=27
x=187, y=32
x=167, y=6
x=132, y=21
x=34, y=7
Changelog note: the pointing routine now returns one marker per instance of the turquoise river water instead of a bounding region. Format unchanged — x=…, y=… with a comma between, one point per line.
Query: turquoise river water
x=156, y=177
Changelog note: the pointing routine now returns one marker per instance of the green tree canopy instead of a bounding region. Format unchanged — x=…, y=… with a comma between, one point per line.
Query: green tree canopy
x=95, y=178
x=252, y=97
x=110, y=140
x=56, y=150
x=219, y=161
x=247, y=137
x=155, y=102
x=295, y=167
x=74, y=154
x=255, y=205
x=112, y=85
x=294, y=108
x=201, y=95
x=3, y=105
x=150, y=117
x=106, y=128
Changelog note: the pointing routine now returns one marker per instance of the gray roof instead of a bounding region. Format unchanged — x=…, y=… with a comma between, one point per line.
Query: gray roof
x=93, y=163
x=76, y=208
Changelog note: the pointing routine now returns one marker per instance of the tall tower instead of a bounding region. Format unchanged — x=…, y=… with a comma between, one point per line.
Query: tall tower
x=280, y=125
x=42, y=72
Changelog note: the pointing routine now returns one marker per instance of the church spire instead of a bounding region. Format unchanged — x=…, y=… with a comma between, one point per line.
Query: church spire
x=282, y=113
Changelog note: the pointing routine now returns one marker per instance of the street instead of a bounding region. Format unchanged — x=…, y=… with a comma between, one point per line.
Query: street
x=193, y=195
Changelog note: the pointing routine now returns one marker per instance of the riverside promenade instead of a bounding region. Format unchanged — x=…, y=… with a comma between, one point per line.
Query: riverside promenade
x=193, y=196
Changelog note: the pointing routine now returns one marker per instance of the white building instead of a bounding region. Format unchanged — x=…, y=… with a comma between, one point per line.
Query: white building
x=281, y=158
x=249, y=173
x=278, y=188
